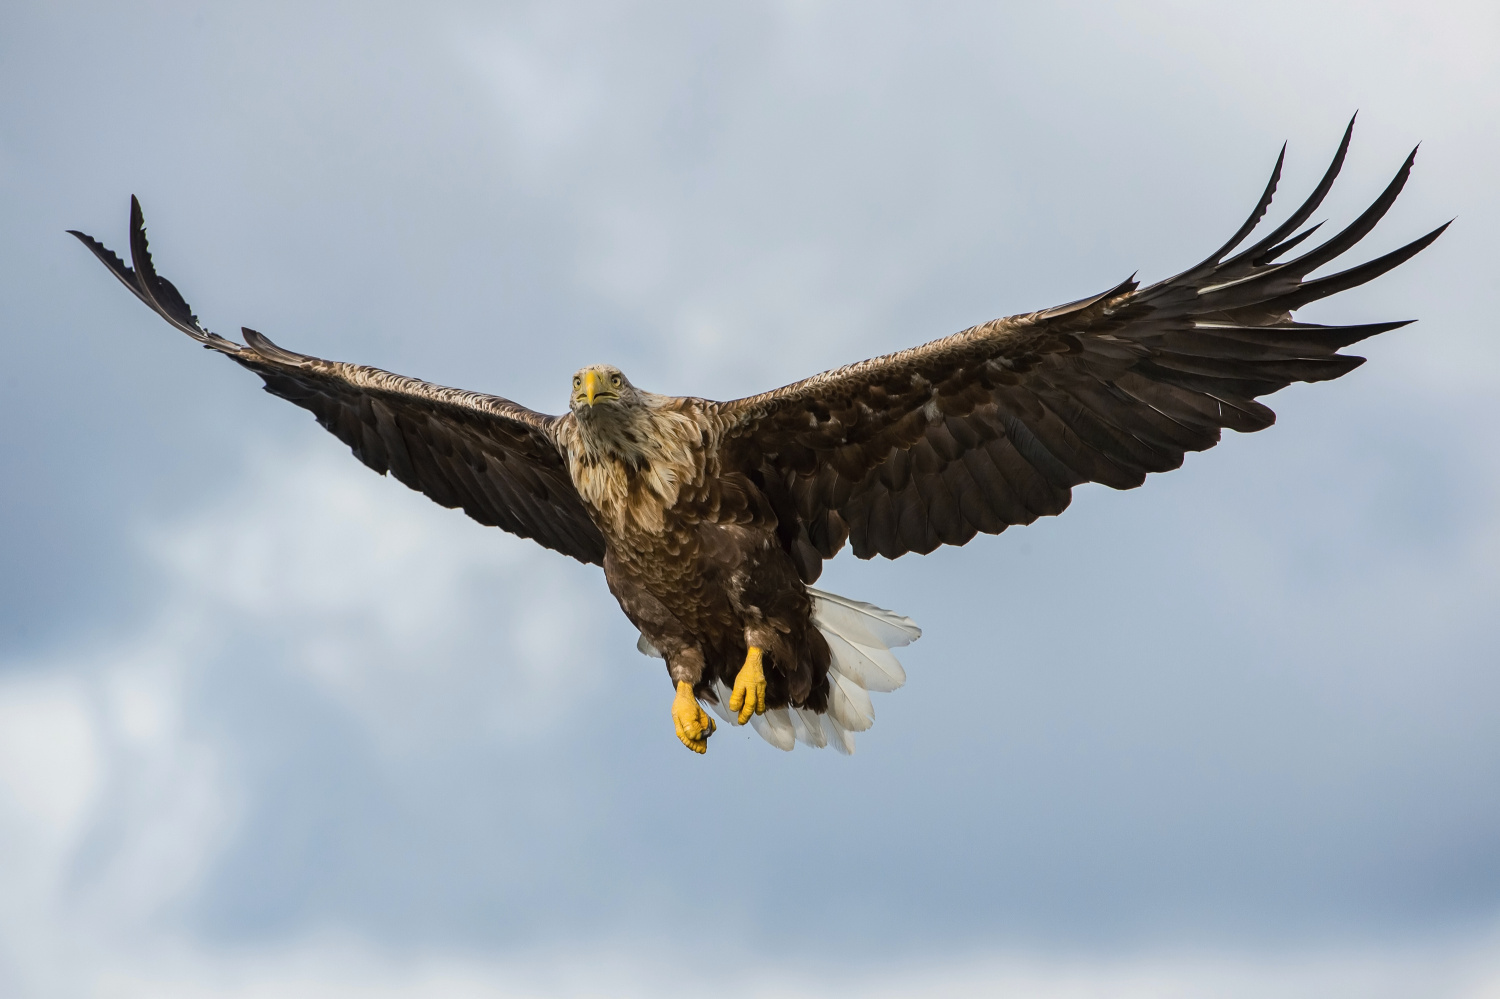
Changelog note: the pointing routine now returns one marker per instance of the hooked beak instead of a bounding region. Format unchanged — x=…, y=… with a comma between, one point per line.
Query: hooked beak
x=595, y=388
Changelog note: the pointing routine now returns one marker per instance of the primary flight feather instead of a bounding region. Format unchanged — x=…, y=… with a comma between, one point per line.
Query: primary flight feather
x=712, y=519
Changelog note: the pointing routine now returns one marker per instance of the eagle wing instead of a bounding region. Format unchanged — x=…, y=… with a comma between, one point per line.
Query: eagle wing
x=995, y=425
x=496, y=460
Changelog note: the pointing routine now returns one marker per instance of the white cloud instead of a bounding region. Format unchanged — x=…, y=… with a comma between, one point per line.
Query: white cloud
x=345, y=969
x=412, y=617
x=49, y=757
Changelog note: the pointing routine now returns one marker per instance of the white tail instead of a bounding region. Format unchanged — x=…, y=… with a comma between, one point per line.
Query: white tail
x=860, y=636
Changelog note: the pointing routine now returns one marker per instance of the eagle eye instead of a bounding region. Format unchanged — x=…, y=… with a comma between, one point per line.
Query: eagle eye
x=577, y=381
x=615, y=380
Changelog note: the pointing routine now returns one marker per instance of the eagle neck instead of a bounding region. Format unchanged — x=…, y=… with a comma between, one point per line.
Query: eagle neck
x=632, y=465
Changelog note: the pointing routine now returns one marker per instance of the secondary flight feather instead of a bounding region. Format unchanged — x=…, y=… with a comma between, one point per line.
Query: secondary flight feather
x=711, y=519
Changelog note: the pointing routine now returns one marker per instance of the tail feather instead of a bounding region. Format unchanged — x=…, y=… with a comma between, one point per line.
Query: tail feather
x=849, y=703
x=860, y=637
x=809, y=728
x=775, y=726
x=862, y=623
x=872, y=668
x=836, y=736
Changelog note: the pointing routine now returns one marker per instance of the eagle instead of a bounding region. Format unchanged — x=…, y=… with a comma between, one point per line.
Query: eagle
x=712, y=520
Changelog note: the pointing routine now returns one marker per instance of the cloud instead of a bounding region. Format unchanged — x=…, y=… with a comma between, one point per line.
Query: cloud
x=305, y=730
x=343, y=969
x=412, y=619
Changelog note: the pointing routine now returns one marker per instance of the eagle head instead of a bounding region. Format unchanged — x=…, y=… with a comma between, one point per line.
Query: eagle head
x=610, y=413
x=603, y=391
x=629, y=451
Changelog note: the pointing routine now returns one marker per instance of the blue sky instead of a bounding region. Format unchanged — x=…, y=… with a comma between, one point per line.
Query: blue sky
x=273, y=725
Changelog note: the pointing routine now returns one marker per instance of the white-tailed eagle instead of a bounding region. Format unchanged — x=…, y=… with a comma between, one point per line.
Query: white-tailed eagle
x=712, y=519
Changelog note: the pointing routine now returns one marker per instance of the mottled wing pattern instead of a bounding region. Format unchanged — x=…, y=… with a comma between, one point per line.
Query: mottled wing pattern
x=995, y=425
x=496, y=460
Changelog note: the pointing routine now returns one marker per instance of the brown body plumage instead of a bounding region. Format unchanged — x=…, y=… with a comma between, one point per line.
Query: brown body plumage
x=691, y=552
x=711, y=519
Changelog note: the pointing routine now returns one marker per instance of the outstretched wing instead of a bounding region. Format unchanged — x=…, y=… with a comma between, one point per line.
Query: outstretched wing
x=496, y=460
x=995, y=425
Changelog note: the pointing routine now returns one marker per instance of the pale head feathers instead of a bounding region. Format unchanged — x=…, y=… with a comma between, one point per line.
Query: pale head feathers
x=630, y=453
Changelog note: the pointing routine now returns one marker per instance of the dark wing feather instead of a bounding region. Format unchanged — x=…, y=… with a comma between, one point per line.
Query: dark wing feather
x=496, y=460
x=995, y=425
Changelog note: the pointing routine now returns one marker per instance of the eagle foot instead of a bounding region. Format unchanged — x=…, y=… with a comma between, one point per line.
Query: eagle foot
x=693, y=724
x=749, y=694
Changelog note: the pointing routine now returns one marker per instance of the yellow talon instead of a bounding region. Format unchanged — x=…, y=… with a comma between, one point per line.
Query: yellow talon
x=693, y=724
x=749, y=695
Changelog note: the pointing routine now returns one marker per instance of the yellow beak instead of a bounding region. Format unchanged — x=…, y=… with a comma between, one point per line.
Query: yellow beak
x=590, y=386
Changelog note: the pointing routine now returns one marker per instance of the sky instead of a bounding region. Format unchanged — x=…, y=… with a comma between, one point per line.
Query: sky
x=272, y=725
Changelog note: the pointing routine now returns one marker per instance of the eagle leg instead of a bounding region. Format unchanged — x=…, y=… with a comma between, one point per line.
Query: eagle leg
x=749, y=695
x=693, y=724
